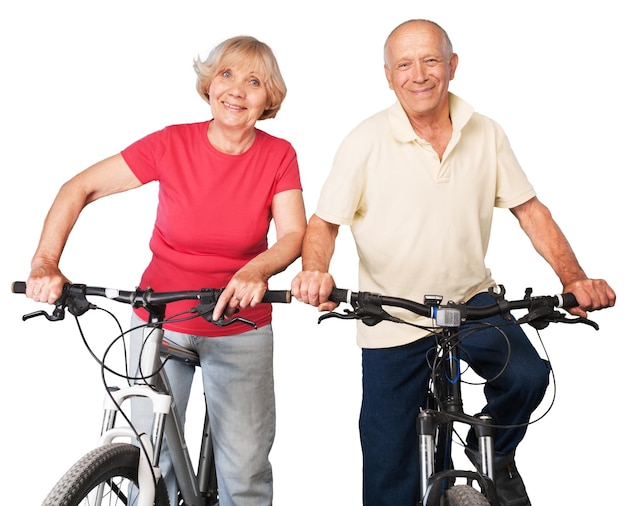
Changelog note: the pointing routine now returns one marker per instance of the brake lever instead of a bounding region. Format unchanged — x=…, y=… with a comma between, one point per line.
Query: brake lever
x=225, y=322
x=57, y=314
x=370, y=315
x=347, y=315
x=206, y=306
x=541, y=318
x=578, y=319
x=206, y=311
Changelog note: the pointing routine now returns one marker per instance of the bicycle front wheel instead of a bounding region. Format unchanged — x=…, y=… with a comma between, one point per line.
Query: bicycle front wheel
x=103, y=476
x=464, y=495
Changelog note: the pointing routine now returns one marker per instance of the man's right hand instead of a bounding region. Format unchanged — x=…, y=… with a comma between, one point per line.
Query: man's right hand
x=314, y=288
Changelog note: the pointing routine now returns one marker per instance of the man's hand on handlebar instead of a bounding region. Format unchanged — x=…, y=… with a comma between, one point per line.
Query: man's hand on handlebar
x=314, y=288
x=591, y=294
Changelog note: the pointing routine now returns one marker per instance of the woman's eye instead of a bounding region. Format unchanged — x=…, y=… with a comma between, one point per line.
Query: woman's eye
x=226, y=73
x=255, y=82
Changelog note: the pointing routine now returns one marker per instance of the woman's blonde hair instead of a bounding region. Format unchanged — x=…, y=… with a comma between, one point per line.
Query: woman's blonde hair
x=234, y=51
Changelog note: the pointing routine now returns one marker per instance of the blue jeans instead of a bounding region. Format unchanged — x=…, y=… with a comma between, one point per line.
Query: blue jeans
x=238, y=380
x=395, y=384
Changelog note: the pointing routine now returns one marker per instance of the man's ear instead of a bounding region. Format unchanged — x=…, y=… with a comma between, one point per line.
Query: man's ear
x=454, y=61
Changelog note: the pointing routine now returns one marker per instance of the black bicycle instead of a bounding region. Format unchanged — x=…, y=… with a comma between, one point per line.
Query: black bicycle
x=440, y=483
x=118, y=471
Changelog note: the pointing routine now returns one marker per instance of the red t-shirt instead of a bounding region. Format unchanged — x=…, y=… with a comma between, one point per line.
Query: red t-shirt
x=213, y=214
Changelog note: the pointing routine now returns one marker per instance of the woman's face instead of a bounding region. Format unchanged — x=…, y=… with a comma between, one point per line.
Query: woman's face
x=238, y=97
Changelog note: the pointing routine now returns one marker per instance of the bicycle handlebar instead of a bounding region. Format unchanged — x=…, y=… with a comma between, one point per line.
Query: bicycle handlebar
x=74, y=298
x=340, y=295
x=368, y=307
x=133, y=297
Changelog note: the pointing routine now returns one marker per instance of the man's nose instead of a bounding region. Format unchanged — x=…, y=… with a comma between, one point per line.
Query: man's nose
x=419, y=73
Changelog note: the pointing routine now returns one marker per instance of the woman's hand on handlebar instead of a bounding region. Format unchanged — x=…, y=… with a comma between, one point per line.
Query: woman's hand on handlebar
x=591, y=294
x=314, y=288
x=45, y=282
x=245, y=289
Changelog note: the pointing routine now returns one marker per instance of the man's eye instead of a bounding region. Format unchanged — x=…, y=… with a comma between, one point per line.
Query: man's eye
x=432, y=62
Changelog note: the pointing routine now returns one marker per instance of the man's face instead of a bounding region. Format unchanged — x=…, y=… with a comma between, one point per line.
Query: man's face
x=419, y=68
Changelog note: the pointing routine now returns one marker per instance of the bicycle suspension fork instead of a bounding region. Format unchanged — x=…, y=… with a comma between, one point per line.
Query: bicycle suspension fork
x=435, y=425
x=148, y=369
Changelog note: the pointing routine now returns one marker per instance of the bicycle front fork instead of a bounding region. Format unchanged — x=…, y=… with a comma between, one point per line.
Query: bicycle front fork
x=432, y=443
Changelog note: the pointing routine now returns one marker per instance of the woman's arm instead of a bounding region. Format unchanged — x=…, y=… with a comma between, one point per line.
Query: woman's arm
x=111, y=175
x=247, y=286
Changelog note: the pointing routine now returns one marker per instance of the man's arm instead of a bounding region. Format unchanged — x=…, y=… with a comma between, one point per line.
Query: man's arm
x=550, y=242
x=314, y=284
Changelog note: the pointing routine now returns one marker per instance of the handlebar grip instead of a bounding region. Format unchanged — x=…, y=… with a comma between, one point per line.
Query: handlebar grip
x=569, y=300
x=18, y=287
x=277, y=296
x=339, y=295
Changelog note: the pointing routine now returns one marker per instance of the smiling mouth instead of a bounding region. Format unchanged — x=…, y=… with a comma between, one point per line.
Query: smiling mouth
x=421, y=91
x=233, y=107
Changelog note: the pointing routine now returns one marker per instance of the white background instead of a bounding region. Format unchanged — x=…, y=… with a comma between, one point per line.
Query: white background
x=82, y=80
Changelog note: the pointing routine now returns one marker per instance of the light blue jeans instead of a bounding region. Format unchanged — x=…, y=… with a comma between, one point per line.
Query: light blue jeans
x=238, y=379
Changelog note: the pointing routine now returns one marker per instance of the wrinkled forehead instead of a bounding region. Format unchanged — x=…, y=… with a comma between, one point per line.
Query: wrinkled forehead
x=422, y=38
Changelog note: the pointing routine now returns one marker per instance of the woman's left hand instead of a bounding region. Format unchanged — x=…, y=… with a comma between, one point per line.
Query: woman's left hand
x=245, y=289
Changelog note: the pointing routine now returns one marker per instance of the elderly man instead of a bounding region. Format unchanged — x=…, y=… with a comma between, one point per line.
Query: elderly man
x=417, y=183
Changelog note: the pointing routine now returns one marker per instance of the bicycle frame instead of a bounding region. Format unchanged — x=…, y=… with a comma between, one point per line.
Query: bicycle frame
x=197, y=489
x=435, y=423
x=102, y=468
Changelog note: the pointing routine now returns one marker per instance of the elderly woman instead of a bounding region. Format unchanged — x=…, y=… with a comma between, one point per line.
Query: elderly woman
x=221, y=183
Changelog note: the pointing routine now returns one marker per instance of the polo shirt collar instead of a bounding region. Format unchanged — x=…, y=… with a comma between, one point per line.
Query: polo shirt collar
x=401, y=128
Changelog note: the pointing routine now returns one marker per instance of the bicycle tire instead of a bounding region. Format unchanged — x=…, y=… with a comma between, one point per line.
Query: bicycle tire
x=464, y=495
x=114, y=466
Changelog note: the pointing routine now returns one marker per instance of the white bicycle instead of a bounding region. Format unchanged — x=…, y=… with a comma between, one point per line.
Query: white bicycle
x=117, y=471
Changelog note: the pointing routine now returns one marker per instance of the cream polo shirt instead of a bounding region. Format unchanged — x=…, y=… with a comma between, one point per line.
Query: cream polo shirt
x=421, y=226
